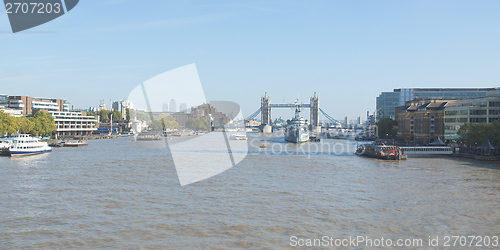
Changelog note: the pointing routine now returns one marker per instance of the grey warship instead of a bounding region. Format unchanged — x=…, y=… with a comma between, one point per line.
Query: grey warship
x=296, y=130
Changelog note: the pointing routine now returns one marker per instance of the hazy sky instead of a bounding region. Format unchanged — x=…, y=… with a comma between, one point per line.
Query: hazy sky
x=347, y=51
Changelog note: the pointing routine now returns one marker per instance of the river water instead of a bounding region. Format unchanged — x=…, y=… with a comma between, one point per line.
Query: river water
x=114, y=194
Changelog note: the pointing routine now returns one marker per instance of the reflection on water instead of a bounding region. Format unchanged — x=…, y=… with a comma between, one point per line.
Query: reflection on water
x=113, y=193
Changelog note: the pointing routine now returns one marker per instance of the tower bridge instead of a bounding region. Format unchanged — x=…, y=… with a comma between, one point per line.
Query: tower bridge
x=266, y=107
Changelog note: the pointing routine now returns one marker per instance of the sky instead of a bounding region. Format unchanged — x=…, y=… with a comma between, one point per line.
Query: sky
x=346, y=51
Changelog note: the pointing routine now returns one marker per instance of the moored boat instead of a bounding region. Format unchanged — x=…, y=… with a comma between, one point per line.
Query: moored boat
x=296, y=130
x=24, y=144
x=149, y=138
x=5, y=144
x=75, y=144
x=238, y=137
x=381, y=151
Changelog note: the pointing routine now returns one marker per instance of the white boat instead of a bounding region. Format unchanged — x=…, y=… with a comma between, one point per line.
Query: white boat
x=24, y=144
x=238, y=137
x=427, y=150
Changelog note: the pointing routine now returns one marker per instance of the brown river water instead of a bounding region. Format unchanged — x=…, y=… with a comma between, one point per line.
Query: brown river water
x=114, y=194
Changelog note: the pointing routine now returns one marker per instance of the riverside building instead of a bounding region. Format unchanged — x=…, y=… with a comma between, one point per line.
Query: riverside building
x=30, y=105
x=476, y=110
x=421, y=121
x=388, y=101
x=73, y=124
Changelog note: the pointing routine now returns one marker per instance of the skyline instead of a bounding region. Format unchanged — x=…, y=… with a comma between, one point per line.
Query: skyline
x=348, y=53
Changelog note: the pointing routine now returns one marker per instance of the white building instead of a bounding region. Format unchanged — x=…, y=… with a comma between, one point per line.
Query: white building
x=12, y=112
x=71, y=124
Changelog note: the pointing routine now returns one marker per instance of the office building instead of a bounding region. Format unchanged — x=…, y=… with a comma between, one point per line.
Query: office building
x=73, y=124
x=30, y=105
x=476, y=110
x=172, y=106
x=359, y=120
x=388, y=101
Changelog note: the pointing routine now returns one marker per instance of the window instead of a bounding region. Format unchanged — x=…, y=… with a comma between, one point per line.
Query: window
x=478, y=112
x=494, y=104
x=494, y=112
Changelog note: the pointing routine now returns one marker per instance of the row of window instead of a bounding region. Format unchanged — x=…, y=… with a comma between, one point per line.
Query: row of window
x=426, y=149
x=26, y=147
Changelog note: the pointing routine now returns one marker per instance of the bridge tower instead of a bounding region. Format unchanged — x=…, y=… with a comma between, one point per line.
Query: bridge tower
x=314, y=110
x=265, y=105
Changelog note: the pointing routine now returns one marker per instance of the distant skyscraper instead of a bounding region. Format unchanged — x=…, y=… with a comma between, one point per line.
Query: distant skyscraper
x=346, y=120
x=360, y=120
x=172, y=106
x=183, y=107
x=164, y=107
x=122, y=106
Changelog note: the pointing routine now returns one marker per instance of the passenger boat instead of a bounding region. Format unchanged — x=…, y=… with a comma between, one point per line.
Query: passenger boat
x=381, y=151
x=296, y=130
x=24, y=144
x=238, y=137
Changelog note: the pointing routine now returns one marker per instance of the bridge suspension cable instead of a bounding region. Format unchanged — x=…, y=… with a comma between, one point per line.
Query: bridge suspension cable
x=329, y=117
x=252, y=116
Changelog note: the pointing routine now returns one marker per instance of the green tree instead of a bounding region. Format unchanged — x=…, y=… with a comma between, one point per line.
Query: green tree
x=103, y=114
x=197, y=124
x=127, y=114
x=143, y=116
x=8, y=123
x=477, y=134
x=387, y=128
x=117, y=116
x=163, y=121
x=26, y=125
x=43, y=123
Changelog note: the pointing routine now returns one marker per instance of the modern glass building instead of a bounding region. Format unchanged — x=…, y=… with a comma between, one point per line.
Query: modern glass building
x=388, y=101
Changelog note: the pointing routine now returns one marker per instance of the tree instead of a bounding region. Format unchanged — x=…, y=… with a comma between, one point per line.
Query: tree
x=43, y=123
x=8, y=123
x=197, y=124
x=476, y=134
x=106, y=115
x=387, y=128
x=103, y=114
x=163, y=121
x=26, y=125
x=127, y=114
